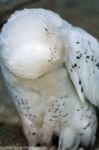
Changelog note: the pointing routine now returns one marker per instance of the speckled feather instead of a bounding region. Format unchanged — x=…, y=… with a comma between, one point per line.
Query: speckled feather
x=82, y=61
x=32, y=63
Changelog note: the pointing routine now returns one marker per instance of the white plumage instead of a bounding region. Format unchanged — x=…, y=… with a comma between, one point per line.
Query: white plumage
x=82, y=61
x=32, y=62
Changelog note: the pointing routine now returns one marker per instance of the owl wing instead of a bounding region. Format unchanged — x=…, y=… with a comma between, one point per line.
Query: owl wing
x=82, y=63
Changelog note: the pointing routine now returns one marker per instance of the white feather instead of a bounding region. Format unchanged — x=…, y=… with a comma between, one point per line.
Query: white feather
x=82, y=61
x=31, y=58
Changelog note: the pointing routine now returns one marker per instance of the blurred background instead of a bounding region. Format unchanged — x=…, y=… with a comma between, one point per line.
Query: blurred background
x=82, y=13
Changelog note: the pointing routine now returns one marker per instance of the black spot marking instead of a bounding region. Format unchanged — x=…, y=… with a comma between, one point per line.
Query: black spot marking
x=87, y=57
x=82, y=89
x=79, y=82
x=46, y=29
x=49, y=110
x=61, y=97
x=60, y=111
x=25, y=115
x=65, y=115
x=49, y=60
x=56, y=110
x=77, y=57
x=77, y=109
x=77, y=42
x=77, y=52
x=28, y=107
x=50, y=119
x=54, y=116
x=66, y=96
x=79, y=67
x=97, y=65
x=92, y=58
x=75, y=65
x=33, y=133
x=89, y=117
x=22, y=102
x=63, y=104
x=87, y=126
x=81, y=134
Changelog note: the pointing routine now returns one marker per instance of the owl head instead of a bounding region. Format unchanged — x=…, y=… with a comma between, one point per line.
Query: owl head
x=31, y=44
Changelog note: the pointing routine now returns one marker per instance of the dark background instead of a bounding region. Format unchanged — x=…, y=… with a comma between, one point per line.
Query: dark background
x=82, y=13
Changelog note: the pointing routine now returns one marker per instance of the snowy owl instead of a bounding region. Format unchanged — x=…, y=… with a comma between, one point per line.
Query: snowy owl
x=32, y=62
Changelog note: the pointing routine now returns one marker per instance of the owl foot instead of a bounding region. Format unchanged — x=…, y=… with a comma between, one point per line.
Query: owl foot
x=68, y=140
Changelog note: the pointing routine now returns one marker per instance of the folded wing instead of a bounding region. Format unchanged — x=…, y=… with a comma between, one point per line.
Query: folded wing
x=82, y=62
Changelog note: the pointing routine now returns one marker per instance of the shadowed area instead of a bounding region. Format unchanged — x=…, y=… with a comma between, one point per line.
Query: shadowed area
x=11, y=135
